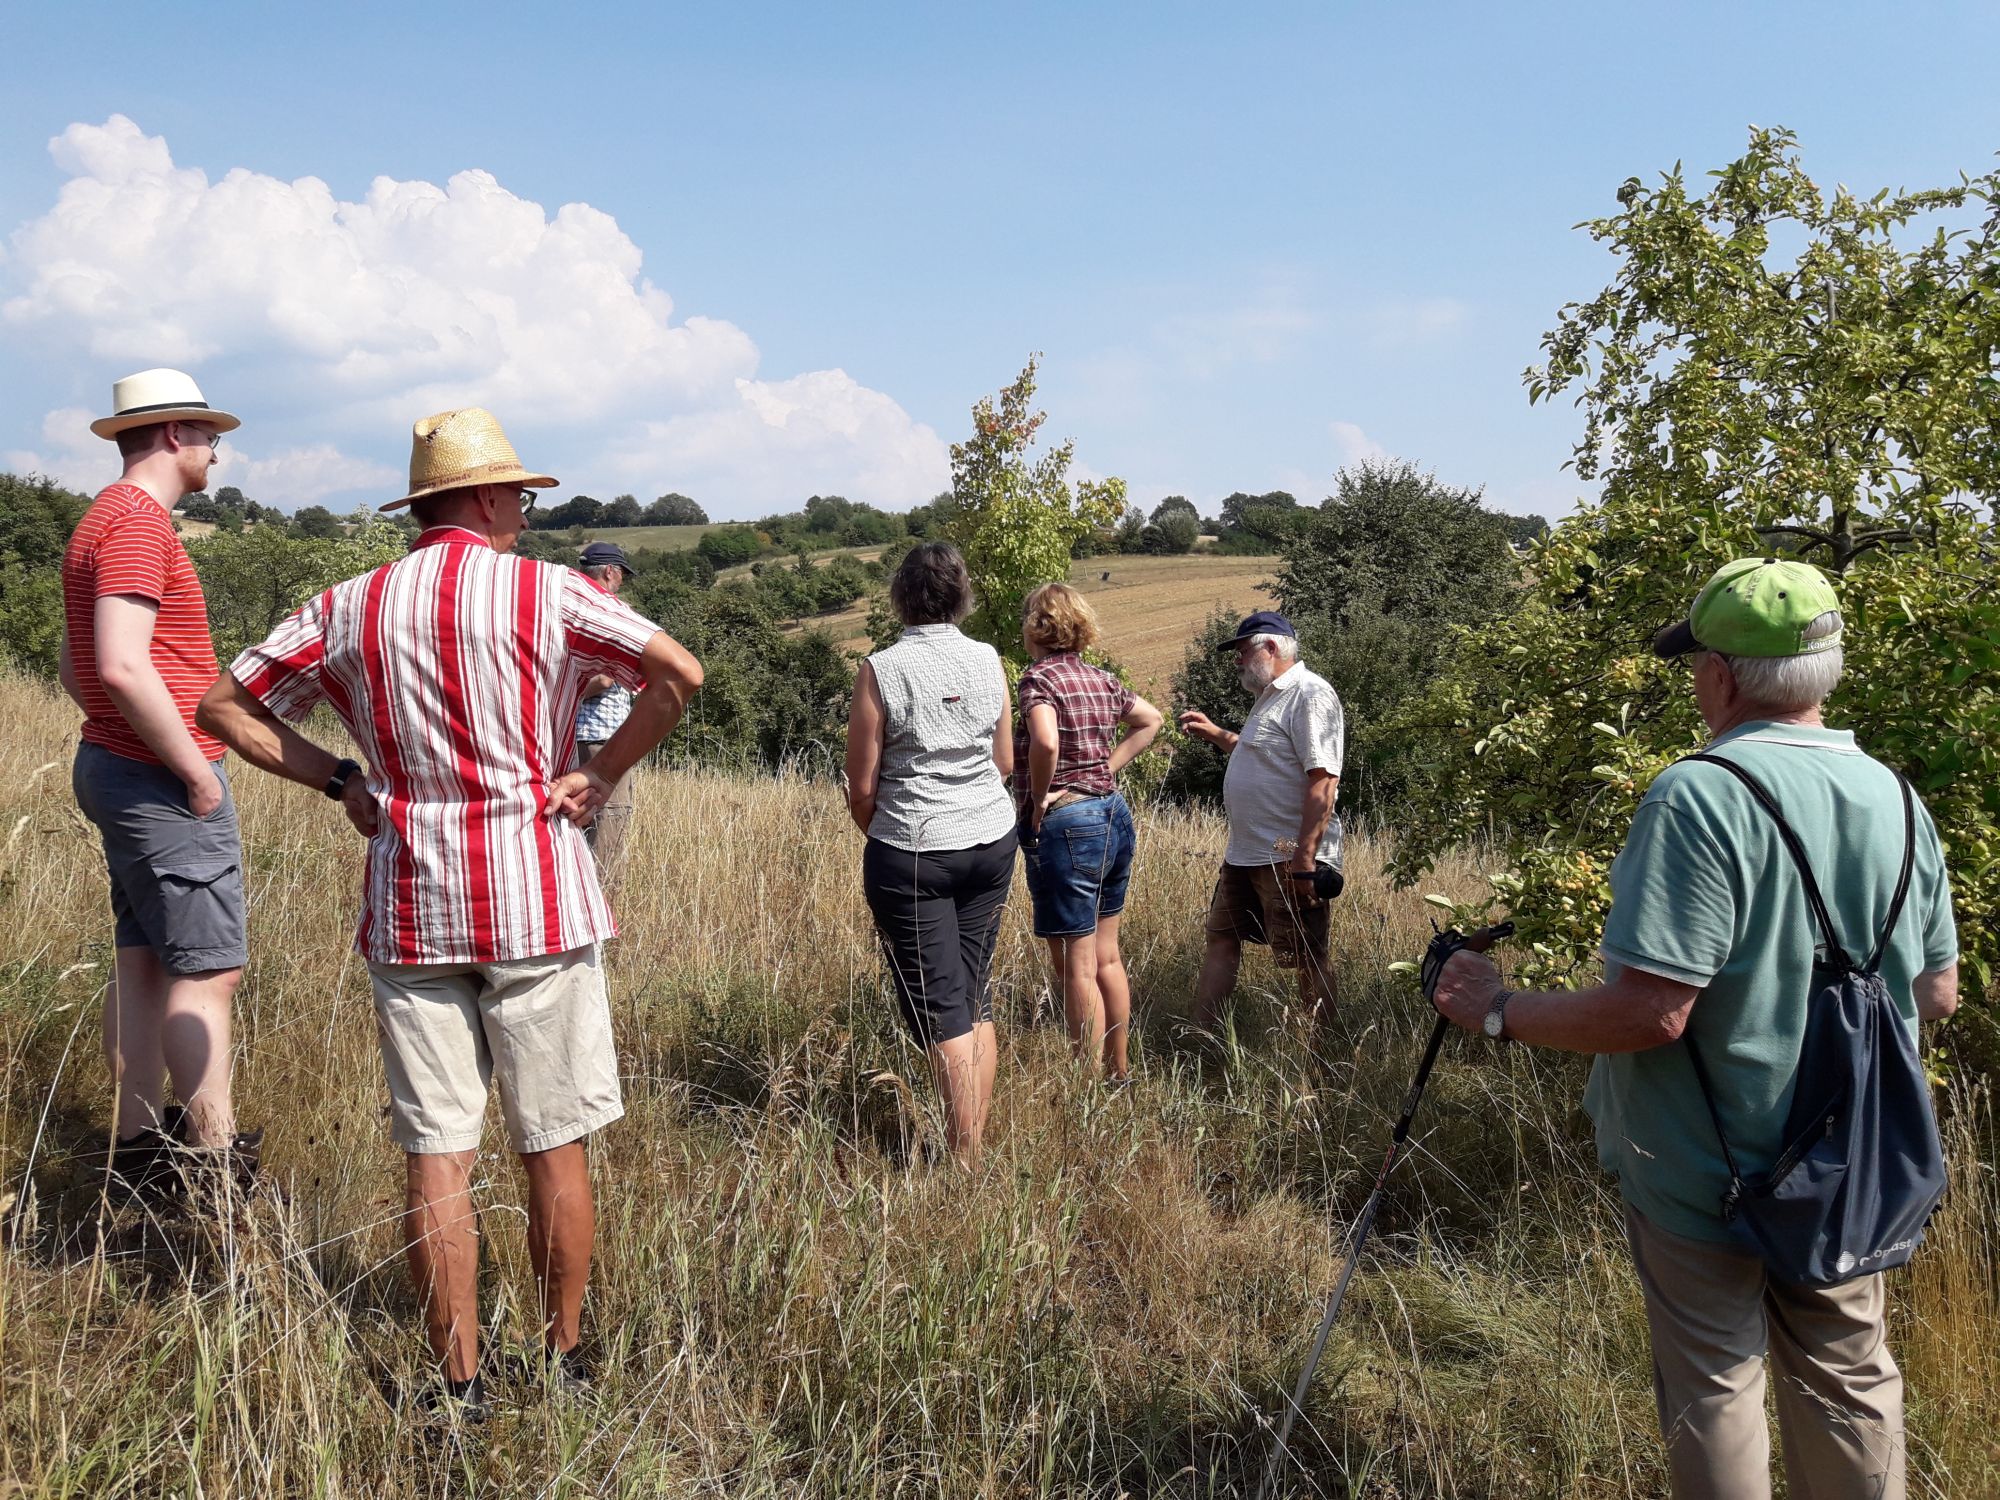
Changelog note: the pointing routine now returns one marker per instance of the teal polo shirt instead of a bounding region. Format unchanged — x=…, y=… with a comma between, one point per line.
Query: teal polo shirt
x=1704, y=892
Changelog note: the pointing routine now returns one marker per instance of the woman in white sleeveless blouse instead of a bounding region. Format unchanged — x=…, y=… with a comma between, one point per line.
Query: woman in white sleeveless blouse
x=929, y=751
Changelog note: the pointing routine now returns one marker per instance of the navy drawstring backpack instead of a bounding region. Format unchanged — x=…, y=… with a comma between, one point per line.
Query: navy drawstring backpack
x=1862, y=1168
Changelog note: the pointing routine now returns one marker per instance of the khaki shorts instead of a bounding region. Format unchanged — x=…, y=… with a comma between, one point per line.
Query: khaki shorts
x=542, y=1026
x=1255, y=904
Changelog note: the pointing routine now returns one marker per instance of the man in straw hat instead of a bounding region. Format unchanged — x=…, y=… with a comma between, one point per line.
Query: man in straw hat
x=136, y=656
x=458, y=670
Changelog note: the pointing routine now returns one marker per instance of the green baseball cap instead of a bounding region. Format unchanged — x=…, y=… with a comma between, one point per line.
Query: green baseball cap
x=1755, y=606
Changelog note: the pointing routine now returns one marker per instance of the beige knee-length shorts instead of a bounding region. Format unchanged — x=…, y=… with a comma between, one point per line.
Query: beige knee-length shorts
x=540, y=1026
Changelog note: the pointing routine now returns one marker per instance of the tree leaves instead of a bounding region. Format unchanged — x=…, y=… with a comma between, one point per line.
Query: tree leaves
x=1836, y=403
x=1015, y=517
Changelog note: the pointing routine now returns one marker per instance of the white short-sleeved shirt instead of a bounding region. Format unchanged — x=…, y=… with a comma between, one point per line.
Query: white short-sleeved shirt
x=1295, y=727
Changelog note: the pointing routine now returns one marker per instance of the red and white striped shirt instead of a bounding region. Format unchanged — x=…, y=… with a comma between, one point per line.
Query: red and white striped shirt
x=458, y=671
x=125, y=544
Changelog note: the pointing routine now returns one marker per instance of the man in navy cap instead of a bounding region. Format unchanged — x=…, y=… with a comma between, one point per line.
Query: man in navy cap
x=604, y=708
x=1284, y=838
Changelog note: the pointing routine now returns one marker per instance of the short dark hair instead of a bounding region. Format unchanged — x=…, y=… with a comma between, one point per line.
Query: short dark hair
x=931, y=587
x=137, y=442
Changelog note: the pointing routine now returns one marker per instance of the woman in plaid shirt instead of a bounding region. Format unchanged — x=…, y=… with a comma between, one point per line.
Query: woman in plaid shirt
x=1076, y=831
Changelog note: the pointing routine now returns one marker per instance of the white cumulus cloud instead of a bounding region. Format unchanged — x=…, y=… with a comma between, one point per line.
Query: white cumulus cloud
x=1353, y=445
x=334, y=324
x=69, y=452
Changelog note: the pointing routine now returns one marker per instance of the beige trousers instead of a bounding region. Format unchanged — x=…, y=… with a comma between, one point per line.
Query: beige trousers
x=606, y=832
x=1714, y=1314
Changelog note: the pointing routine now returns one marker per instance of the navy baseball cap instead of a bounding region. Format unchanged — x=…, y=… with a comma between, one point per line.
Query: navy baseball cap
x=603, y=554
x=1264, y=622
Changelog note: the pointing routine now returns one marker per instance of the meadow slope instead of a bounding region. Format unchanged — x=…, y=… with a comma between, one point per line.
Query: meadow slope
x=790, y=1298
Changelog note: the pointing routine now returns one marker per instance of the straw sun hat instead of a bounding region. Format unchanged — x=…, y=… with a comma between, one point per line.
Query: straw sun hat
x=454, y=449
x=154, y=396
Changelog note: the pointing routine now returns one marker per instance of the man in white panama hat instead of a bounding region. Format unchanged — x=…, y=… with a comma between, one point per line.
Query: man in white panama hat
x=458, y=670
x=136, y=657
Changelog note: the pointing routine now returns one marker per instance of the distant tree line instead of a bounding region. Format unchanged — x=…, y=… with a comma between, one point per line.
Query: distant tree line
x=1372, y=576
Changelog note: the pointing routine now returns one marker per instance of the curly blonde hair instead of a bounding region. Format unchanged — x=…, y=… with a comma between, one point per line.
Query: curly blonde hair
x=1058, y=618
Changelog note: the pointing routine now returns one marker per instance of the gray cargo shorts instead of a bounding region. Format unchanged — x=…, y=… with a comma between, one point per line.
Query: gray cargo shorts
x=176, y=880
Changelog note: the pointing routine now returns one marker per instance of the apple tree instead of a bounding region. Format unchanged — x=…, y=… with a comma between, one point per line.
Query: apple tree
x=1775, y=368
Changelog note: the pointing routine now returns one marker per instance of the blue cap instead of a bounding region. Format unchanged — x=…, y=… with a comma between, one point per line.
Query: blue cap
x=1264, y=622
x=603, y=554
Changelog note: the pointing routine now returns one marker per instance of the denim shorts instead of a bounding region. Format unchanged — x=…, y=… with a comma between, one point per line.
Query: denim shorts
x=1079, y=865
x=176, y=880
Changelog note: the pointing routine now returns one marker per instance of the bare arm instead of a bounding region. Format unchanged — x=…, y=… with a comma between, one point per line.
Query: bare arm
x=866, y=725
x=1198, y=724
x=66, y=670
x=1003, y=732
x=240, y=719
x=1044, y=744
x=1937, y=994
x=672, y=677
x=599, y=685
x=1635, y=1012
x=1142, y=722
x=1314, y=813
x=124, y=628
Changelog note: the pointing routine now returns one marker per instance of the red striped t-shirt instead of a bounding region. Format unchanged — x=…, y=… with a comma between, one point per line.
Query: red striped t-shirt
x=125, y=544
x=458, y=671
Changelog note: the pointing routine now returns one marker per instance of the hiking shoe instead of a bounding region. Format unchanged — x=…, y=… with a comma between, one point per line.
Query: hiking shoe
x=446, y=1400
x=212, y=1174
x=569, y=1372
x=142, y=1172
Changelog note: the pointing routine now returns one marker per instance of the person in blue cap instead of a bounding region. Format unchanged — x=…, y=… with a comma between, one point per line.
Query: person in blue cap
x=1284, y=836
x=603, y=709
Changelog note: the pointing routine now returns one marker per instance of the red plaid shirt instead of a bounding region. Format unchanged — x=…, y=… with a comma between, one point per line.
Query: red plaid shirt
x=458, y=669
x=1088, y=702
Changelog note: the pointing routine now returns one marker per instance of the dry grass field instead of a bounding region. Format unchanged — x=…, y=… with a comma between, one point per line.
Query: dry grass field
x=663, y=538
x=792, y=1298
x=1150, y=607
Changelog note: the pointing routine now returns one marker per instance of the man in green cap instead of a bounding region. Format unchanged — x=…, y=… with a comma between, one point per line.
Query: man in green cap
x=1710, y=937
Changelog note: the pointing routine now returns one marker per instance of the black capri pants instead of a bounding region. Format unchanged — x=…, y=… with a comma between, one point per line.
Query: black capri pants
x=938, y=915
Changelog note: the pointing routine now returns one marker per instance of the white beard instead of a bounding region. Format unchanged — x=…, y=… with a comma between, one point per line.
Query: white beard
x=1256, y=677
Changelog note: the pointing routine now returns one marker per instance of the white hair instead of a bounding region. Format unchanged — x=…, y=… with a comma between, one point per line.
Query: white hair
x=1287, y=646
x=602, y=571
x=1791, y=684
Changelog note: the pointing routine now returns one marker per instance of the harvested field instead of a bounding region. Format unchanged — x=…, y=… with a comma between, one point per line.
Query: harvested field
x=1150, y=606
x=662, y=538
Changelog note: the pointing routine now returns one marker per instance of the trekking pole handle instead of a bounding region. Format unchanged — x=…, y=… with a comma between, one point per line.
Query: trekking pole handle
x=1444, y=944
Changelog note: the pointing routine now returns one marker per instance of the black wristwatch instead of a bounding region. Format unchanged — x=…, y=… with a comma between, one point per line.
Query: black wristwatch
x=344, y=772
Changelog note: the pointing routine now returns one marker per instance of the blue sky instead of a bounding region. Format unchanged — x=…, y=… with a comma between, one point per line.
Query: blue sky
x=1252, y=242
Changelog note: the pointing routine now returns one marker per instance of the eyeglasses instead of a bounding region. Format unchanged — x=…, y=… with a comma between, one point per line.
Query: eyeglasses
x=200, y=435
x=527, y=502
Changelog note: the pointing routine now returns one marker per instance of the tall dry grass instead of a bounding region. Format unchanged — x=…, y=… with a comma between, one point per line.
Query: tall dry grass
x=789, y=1300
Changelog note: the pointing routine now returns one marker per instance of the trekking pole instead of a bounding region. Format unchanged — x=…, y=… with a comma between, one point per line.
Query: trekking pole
x=1443, y=945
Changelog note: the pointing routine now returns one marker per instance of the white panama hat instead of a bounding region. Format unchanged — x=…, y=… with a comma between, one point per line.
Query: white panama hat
x=154, y=396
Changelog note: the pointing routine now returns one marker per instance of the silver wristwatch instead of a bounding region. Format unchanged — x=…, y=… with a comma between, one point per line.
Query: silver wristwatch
x=1495, y=1024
